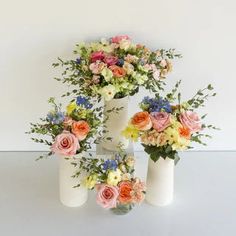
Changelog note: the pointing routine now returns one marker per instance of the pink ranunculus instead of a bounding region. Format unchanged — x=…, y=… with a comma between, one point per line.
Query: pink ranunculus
x=110, y=60
x=118, y=38
x=97, y=67
x=107, y=195
x=99, y=55
x=191, y=120
x=65, y=144
x=160, y=120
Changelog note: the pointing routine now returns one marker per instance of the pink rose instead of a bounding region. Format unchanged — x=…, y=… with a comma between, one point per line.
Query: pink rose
x=160, y=120
x=107, y=196
x=65, y=144
x=191, y=120
x=110, y=60
x=95, y=56
x=118, y=38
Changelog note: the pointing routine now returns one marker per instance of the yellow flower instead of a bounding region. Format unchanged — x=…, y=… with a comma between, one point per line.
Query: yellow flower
x=71, y=107
x=181, y=144
x=172, y=135
x=114, y=177
x=131, y=133
x=90, y=181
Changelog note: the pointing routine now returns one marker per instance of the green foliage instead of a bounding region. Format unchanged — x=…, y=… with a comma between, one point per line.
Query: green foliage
x=162, y=151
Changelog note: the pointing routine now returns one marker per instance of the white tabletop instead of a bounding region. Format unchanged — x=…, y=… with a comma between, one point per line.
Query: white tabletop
x=204, y=203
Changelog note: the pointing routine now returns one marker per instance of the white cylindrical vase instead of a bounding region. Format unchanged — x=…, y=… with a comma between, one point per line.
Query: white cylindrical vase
x=116, y=123
x=70, y=196
x=160, y=181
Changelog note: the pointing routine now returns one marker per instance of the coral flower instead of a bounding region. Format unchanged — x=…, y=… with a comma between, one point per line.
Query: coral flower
x=117, y=71
x=125, y=189
x=185, y=132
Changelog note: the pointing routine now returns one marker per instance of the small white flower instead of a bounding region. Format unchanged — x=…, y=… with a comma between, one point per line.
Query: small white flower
x=129, y=68
x=125, y=44
x=108, y=92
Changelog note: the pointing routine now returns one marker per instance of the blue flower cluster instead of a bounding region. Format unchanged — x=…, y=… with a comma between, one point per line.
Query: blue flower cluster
x=83, y=101
x=78, y=60
x=156, y=104
x=109, y=165
x=56, y=117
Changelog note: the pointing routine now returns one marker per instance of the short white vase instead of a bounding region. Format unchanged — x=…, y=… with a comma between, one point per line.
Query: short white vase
x=70, y=196
x=116, y=123
x=160, y=182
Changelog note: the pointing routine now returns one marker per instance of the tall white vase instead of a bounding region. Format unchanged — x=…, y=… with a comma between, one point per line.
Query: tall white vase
x=69, y=196
x=160, y=182
x=116, y=123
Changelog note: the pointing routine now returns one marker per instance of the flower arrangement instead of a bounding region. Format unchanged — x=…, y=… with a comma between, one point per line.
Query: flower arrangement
x=115, y=68
x=70, y=132
x=113, y=179
x=165, y=127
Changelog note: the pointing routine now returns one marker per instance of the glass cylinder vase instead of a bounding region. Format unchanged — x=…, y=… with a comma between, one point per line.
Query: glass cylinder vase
x=122, y=209
x=70, y=195
x=160, y=181
x=116, y=123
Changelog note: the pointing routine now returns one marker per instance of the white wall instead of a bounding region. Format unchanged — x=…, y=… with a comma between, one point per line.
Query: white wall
x=34, y=33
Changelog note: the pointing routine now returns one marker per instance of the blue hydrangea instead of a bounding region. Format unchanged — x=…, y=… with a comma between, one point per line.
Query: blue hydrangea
x=56, y=117
x=156, y=104
x=109, y=165
x=83, y=101
x=120, y=62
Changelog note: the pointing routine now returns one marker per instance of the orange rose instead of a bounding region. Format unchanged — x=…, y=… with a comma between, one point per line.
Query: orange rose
x=80, y=129
x=117, y=71
x=125, y=189
x=142, y=121
x=185, y=132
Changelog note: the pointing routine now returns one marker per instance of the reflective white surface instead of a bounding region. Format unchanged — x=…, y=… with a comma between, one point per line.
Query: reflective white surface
x=204, y=201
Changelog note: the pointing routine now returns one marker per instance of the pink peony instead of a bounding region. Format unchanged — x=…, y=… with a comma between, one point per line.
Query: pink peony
x=160, y=120
x=110, y=60
x=65, y=144
x=191, y=120
x=107, y=196
x=118, y=38
x=95, y=56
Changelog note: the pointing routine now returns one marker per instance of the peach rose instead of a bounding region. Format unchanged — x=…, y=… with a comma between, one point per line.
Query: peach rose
x=190, y=120
x=80, y=129
x=142, y=121
x=160, y=120
x=107, y=196
x=65, y=144
x=117, y=71
x=125, y=188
